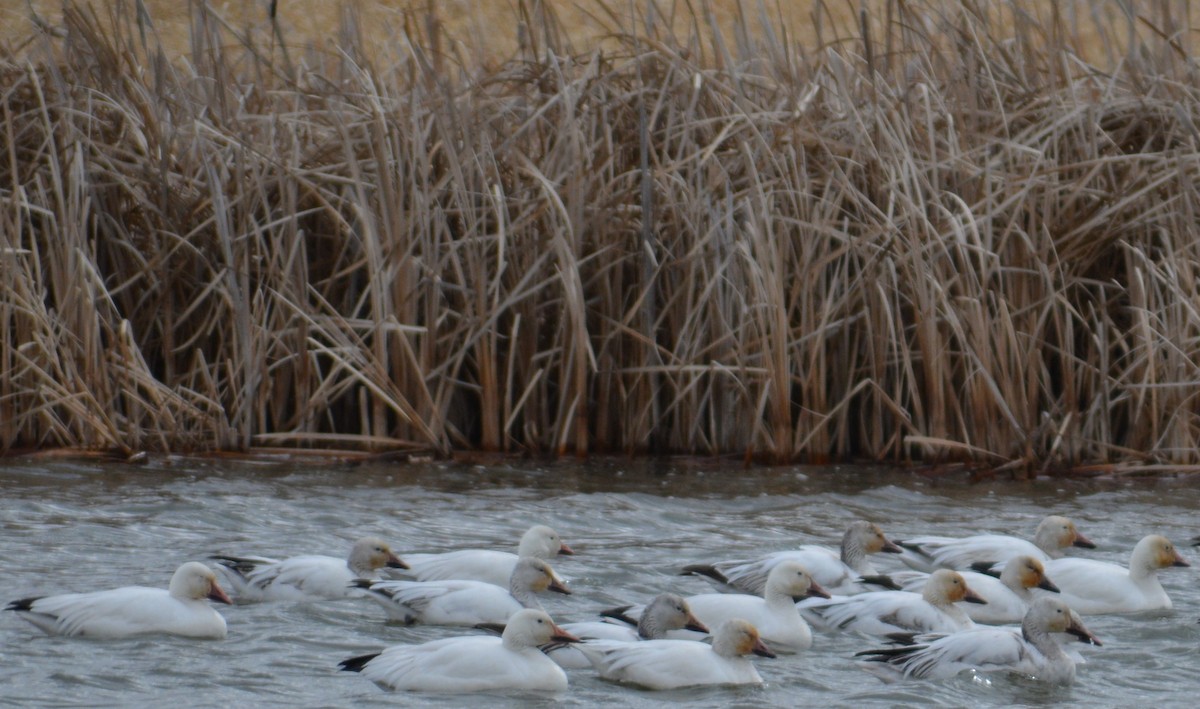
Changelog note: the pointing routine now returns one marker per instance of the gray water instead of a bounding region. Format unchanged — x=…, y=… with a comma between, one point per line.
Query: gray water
x=72, y=526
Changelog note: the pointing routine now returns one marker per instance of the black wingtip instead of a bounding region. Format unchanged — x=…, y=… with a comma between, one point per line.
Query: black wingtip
x=24, y=604
x=704, y=570
x=355, y=664
x=364, y=584
x=882, y=580
x=985, y=567
x=901, y=638
x=619, y=614
x=497, y=628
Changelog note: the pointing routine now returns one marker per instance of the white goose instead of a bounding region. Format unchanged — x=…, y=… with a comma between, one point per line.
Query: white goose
x=1007, y=597
x=838, y=572
x=774, y=614
x=887, y=612
x=1053, y=535
x=475, y=663
x=134, y=610
x=1093, y=587
x=464, y=602
x=306, y=578
x=1030, y=651
x=667, y=612
x=540, y=542
x=671, y=664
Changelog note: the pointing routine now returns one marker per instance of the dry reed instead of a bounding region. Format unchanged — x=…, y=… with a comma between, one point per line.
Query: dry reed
x=939, y=234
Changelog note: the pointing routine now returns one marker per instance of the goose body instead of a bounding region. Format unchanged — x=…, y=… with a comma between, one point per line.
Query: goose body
x=491, y=566
x=774, y=614
x=888, y=612
x=473, y=663
x=306, y=578
x=1031, y=651
x=1093, y=587
x=667, y=612
x=838, y=572
x=1007, y=597
x=180, y=609
x=671, y=664
x=1053, y=535
x=465, y=602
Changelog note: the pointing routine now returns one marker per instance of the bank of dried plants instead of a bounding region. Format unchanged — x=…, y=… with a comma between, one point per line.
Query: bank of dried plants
x=951, y=231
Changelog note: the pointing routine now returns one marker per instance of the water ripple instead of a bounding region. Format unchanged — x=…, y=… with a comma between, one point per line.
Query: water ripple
x=71, y=525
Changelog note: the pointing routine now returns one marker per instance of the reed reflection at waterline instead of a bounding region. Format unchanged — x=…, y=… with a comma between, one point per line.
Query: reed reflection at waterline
x=936, y=233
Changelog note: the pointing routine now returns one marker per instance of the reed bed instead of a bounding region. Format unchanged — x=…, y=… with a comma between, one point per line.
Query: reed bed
x=959, y=231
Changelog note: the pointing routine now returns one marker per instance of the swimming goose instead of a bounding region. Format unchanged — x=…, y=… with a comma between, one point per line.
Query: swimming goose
x=837, y=572
x=1053, y=535
x=134, y=610
x=1094, y=587
x=887, y=612
x=540, y=542
x=667, y=612
x=465, y=602
x=1007, y=597
x=474, y=663
x=1031, y=651
x=774, y=614
x=306, y=578
x=670, y=664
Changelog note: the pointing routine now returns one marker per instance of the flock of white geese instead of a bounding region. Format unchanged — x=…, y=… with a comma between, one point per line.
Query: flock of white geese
x=987, y=603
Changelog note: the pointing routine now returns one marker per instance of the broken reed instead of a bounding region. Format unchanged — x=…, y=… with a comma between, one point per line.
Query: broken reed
x=940, y=234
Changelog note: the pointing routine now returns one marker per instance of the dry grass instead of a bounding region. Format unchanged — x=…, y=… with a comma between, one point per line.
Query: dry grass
x=967, y=232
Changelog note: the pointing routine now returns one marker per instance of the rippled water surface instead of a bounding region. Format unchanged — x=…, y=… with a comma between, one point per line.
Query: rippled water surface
x=71, y=526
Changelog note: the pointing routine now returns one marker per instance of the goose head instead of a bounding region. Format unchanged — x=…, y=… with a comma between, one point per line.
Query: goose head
x=531, y=574
x=737, y=638
x=867, y=538
x=194, y=581
x=532, y=628
x=542, y=542
x=371, y=553
x=789, y=578
x=1025, y=572
x=1155, y=552
x=945, y=587
x=1052, y=615
x=667, y=611
x=1055, y=533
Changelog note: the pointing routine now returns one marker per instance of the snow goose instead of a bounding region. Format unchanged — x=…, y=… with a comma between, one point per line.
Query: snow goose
x=465, y=602
x=1031, y=651
x=671, y=664
x=306, y=578
x=837, y=572
x=134, y=610
x=1094, y=587
x=475, y=663
x=667, y=612
x=888, y=612
x=496, y=567
x=1007, y=597
x=774, y=614
x=1053, y=535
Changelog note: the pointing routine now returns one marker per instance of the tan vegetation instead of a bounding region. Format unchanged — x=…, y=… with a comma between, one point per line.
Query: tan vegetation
x=947, y=231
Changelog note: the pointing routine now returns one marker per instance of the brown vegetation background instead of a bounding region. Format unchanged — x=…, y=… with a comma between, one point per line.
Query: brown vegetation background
x=924, y=231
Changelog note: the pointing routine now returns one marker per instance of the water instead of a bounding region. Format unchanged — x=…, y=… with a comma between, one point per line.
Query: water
x=70, y=526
